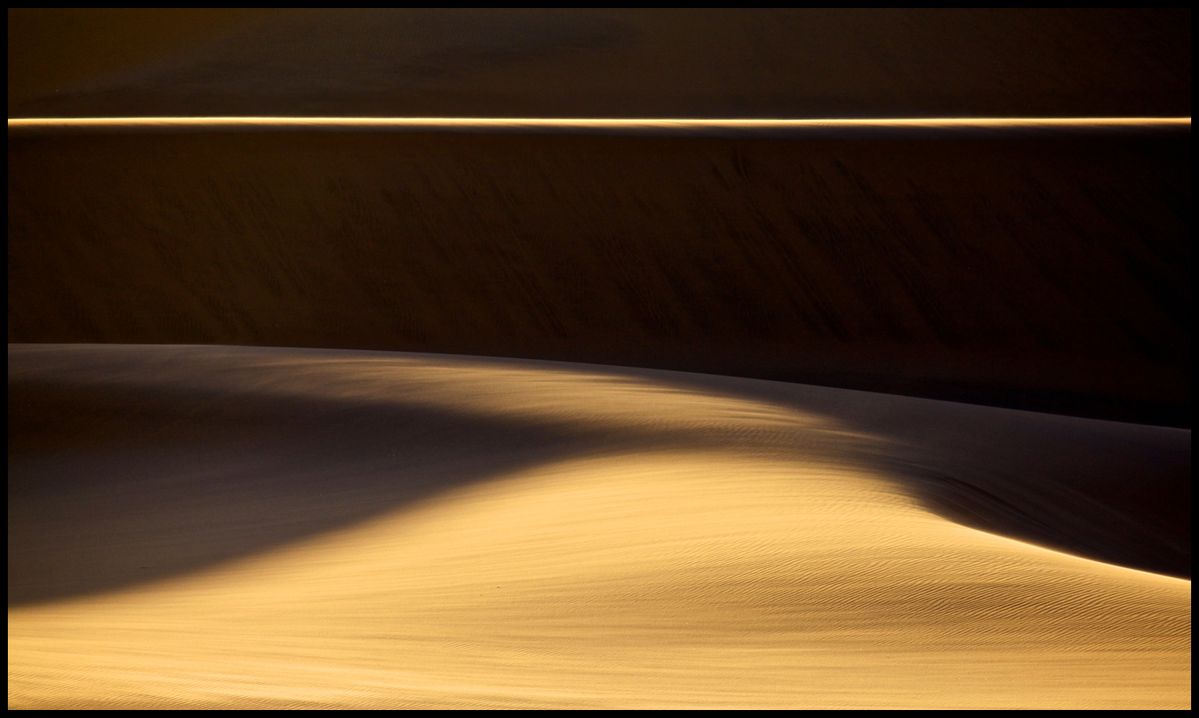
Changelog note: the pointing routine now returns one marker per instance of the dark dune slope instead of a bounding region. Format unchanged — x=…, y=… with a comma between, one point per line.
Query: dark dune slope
x=808, y=62
x=1044, y=273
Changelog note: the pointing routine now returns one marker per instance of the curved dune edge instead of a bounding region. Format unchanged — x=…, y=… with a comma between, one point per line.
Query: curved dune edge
x=698, y=548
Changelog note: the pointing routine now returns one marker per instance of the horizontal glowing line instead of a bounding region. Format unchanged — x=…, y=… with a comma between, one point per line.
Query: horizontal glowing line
x=599, y=123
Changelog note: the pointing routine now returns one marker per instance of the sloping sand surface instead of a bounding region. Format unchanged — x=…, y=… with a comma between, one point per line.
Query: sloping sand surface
x=573, y=62
x=226, y=527
x=997, y=267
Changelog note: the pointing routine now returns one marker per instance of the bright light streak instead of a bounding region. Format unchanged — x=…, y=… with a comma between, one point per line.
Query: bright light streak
x=553, y=123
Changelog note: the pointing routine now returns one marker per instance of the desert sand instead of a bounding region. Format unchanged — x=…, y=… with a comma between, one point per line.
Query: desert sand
x=465, y=498
x=222, y=526
x=997, y=265
x=678, y=62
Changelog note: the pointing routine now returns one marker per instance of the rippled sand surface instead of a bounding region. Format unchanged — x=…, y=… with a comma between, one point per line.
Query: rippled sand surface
x=236, y=527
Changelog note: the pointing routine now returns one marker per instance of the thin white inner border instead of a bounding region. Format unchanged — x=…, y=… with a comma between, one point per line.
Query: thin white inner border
x=599, y=123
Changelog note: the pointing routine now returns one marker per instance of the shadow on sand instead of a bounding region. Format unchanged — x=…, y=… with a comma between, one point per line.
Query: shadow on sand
x=120, y=472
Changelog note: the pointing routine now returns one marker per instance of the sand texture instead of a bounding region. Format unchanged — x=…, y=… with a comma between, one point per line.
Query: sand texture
x=223, y=527
x=1024, y=270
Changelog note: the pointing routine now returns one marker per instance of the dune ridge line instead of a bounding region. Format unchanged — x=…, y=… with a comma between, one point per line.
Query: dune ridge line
x=606, y=123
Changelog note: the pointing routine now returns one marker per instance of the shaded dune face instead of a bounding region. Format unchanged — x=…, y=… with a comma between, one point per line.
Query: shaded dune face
x=579, y=62
x=1036, y=272
x=446, y=531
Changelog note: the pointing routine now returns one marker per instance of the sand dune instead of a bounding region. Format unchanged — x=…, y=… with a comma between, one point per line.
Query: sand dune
x=219, y=526
x=829, y=62
x=1024, y=269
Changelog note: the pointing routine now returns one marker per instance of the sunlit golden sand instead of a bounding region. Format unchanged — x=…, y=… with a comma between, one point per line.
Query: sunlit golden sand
x=722, y=551
x=493, y=123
